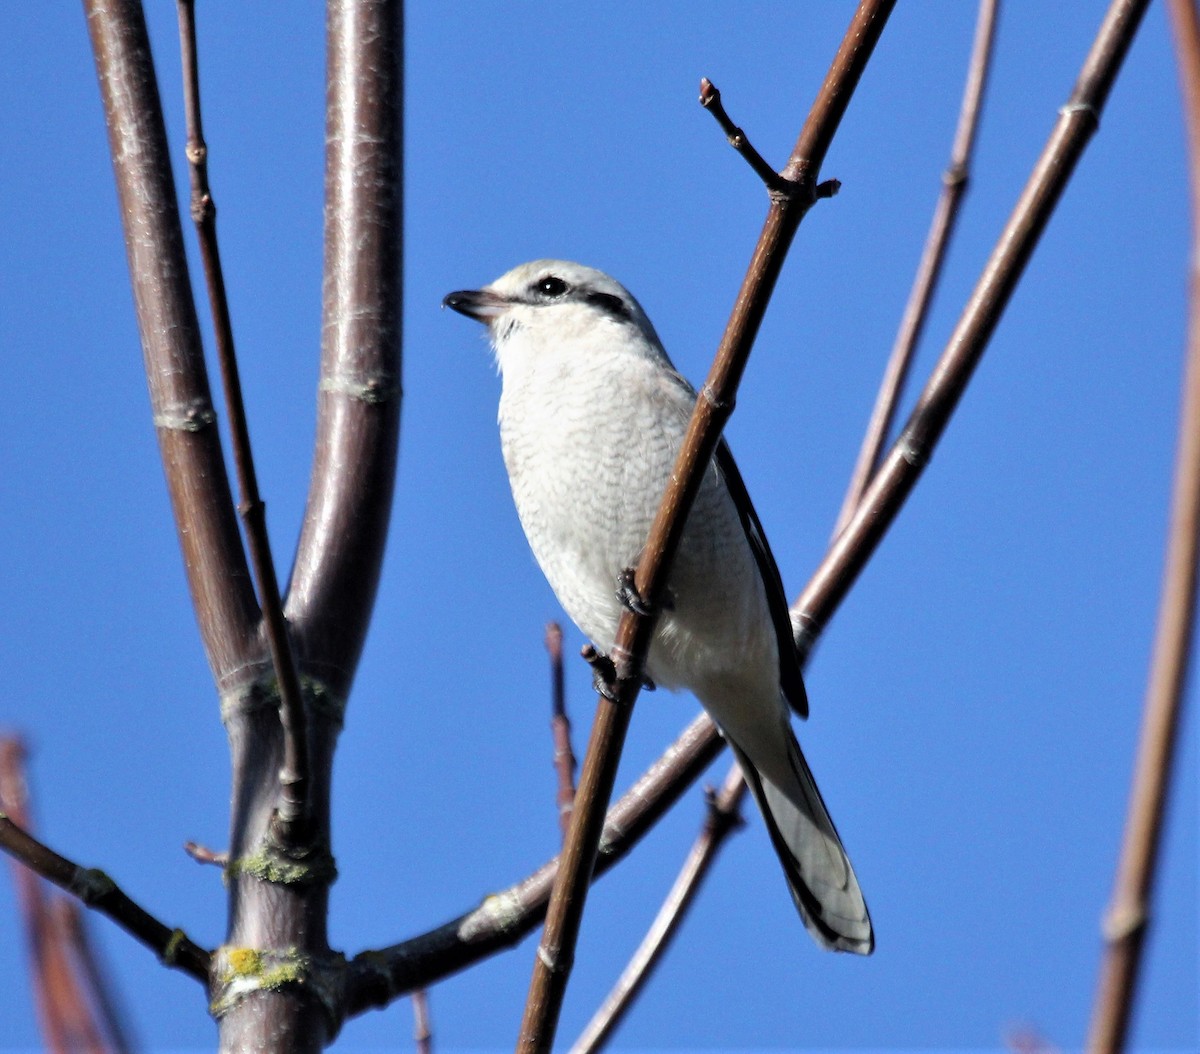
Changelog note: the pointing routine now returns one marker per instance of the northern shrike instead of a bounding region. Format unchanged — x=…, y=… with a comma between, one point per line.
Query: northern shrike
x=592, y=416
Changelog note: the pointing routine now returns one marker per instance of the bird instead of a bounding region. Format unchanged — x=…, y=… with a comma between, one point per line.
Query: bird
x=592, y=416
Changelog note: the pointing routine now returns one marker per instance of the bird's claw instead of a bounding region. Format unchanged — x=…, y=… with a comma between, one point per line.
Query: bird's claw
x=629, y=594
x=604, y=674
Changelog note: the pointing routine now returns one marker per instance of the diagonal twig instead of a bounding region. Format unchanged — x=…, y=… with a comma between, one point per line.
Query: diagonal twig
x=710, y=99
x=95, y=889
x=1128, y=916
x=954, y=187
x=556, y=950
x=294, y=805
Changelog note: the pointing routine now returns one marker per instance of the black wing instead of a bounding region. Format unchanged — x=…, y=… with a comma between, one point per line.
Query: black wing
x=790, y=678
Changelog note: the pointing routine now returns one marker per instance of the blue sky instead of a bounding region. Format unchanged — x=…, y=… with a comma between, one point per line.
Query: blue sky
x=974, y=702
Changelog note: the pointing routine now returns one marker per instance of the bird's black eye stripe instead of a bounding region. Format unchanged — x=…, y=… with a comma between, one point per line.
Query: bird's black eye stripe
x=551, y=286
x=609, y=303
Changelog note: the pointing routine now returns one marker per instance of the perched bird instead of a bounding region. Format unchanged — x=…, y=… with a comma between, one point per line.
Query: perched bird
x=592, y=416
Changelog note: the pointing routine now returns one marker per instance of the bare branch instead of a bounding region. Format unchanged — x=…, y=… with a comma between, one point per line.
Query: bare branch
x=722, y=818
x=555, y=953
x=341, y=544
x=1128, y=916
x=954, y=186
x=560, y=729
x=183, y=415
x=96, y=890
x=203, y=855
x=710, y=99
x=901, y=469
x=294, y=811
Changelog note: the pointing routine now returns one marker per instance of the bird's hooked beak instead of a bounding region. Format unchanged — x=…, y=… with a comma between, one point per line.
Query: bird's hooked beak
x=480, y=304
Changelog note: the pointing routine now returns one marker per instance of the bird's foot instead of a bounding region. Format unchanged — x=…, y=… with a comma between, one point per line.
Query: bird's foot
x=604, y=674
x=631, y=597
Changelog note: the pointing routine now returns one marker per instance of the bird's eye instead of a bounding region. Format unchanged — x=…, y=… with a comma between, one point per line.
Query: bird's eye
x=551, y=286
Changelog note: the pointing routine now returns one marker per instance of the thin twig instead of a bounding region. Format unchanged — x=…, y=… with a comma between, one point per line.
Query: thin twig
x=722, y=818
x=560, y=729
x=710, y=99
x=203, y=855
x=900, y=470
x=96, y=890
x=954, y=186
x=294, y=806
x=1128, y=916
x=422, y=1030
x=552, y=964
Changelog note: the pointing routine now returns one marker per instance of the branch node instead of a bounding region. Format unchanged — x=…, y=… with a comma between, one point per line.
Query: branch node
x=1086, y=109
x=1122, y=921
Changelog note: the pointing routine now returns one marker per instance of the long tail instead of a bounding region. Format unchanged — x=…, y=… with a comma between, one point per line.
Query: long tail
x=815, y=863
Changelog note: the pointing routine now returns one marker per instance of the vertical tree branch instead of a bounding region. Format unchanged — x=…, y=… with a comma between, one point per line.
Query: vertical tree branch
x=556, y=951
x=166, y=314
x=954, y=186
x=902, y=467
x=1128, y=916
x=293, y=811
x=358, y=410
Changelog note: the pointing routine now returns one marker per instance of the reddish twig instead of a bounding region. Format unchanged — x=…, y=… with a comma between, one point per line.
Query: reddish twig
x=722, y=818
x=710, y=99
x=560, y=729
x=422, y=1030
x=552, y=965
x=954, y=186
x=203, y=855
x=294, y=806
x=1128, y=915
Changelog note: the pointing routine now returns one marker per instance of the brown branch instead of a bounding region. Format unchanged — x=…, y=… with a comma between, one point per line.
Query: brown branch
x=1128, y=916
x=293, y=811
x=183, y=415
x=96, y=890
x=341, y=545
x=374, y=978
x=722, y=818
x=560, y=729
x=954, y=187
x=552, y=964
x=710, y=99
x=902, y=467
